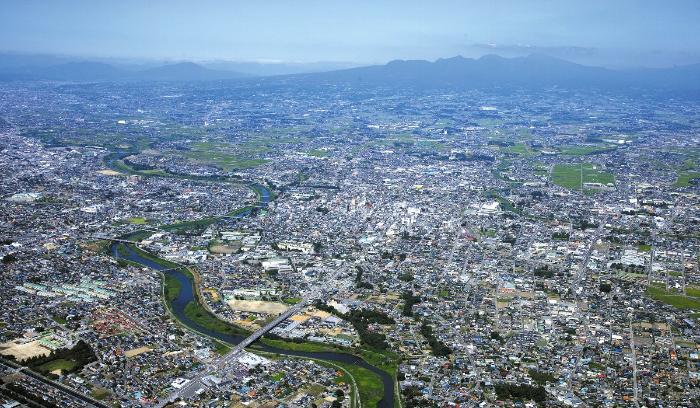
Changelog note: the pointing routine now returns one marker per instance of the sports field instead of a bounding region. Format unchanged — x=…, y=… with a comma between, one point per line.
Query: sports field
x=572, y=176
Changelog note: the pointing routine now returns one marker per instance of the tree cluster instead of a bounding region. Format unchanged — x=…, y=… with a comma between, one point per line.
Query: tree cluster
x=409, y=300
x=525, y=392
x=82, y=354
x=438, y=348
x=361, y=319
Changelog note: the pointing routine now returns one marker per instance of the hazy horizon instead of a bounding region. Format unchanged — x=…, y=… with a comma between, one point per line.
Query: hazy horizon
x=624, y=34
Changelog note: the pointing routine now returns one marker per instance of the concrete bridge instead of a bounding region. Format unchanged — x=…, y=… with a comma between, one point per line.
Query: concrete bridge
x=220, y=366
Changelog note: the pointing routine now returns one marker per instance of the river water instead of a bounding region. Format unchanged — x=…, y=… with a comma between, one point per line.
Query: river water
x=187, y=295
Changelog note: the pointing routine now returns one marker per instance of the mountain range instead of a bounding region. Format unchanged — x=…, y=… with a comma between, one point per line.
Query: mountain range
x=490, y=71
x=91, y=71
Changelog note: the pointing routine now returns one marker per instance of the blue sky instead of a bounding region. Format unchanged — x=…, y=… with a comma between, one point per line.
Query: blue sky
x=610, y=32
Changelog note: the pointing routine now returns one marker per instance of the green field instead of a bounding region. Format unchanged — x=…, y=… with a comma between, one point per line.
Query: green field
x=224, y=160
x=306, y=346
x=190, y=227
x=198, y=314
x=172, y=287
x=684, y=178
x=370, y=385
x=318, y=153
x=119, y=165
x=692, y=291
x=582, y=150
x=137, y=220
x=221, y=348
x=99, y=393
x=674, y=299
x=58, y=364
x=520, y=149
x=571, y=175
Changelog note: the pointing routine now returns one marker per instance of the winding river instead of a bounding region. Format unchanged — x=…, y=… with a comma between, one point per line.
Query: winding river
x=187, y=294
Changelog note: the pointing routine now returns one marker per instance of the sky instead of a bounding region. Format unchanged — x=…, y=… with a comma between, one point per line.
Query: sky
x=596, y=32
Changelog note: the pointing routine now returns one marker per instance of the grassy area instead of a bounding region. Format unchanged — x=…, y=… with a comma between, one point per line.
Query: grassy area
x=198, y=314
x=370, y=385
x=645, y=248
x=59, y=319
x=190, y=227
x=572, y=175
x=58, y=364
x=506, y=205
x=120, y=166
x=692, y=291
x=305, y=346
x=160, y=261
x=221, y=348
x=239, y=211
x=98, y=247
x=291, y=301
x=221, y=155
x=582, y=150
x=684, y=178
x=371, y=388
x=99, y=393
x=384, y=360
x=520, y=149
x=137, y=220
x=673, y=298
x=318, y=153
x=172, y=287
x=501, y=167
x=138, y=235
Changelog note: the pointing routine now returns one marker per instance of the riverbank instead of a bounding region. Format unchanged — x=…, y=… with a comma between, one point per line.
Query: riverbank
x=372, y=372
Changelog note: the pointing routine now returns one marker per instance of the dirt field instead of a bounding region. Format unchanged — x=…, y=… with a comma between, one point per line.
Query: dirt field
x=257, y=306
x=24, y=351
x=224, y=249
x=109, y=173
x=135, y=352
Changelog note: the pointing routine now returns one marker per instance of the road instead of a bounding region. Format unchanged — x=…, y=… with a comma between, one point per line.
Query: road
x=634, y=365
x=220, y=366
x=87, y=400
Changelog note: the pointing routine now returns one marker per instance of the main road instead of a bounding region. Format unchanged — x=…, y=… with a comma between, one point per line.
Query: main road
x=220, y=367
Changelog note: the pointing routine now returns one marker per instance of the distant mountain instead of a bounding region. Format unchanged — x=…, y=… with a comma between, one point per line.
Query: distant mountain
x=184, y=71
x=13, y=67
x=81, y=71
x=492, y=71
x=272, y=68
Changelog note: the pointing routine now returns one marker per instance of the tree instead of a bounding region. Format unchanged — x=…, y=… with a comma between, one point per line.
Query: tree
x=9, y=258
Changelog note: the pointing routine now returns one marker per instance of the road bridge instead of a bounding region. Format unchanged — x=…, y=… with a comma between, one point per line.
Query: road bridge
x=220, y=366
